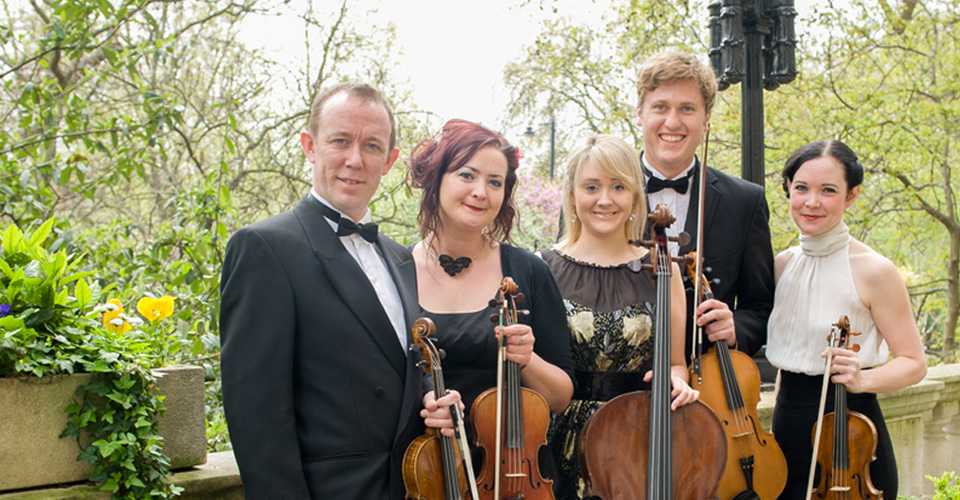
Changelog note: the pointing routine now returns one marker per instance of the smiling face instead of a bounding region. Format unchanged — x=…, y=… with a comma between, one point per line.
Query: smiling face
x=819, y=195
x=602, y=203
x=471, y=196
x=350, y=152
x=674, y=119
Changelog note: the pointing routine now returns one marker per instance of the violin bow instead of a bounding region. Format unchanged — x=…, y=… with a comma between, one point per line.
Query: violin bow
x=823, y=404
x=697, y=332
x=501, y=360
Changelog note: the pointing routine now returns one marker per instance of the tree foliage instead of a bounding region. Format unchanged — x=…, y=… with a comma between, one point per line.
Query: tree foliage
x=884, y=80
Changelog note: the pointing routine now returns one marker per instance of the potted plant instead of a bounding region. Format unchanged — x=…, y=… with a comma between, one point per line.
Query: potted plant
x=59, y=330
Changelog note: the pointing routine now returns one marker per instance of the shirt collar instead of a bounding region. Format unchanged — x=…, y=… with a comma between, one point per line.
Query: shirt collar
x=656, y=173
x=366, y=216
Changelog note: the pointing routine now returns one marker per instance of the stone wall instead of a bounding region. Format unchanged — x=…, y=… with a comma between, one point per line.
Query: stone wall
x=32, y=417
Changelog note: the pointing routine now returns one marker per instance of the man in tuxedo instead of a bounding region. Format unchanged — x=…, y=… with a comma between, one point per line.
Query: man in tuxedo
x=676, y=95
x=320, y=393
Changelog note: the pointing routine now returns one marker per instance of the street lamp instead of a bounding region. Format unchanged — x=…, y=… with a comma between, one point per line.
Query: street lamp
x=553, y=134
x=753, y=41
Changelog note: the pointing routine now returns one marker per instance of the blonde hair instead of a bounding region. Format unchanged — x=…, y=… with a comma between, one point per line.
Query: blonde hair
x=669, y=67
x=616, y=159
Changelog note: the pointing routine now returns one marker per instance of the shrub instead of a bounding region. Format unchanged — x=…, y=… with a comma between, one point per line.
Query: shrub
x=53, y=323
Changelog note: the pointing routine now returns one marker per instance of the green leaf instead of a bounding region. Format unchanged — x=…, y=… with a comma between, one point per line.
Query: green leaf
x=41, y=233
x=83, y=293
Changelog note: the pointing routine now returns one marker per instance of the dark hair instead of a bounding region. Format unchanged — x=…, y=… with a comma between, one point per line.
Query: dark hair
x=852, y=169
x=456, y=144
x=364, y=91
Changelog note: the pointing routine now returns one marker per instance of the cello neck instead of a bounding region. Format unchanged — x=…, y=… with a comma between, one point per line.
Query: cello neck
x=659, y=465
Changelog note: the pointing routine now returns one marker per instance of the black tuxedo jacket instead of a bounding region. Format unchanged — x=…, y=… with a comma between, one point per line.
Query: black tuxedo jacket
x=320, y=397
x=737, y=248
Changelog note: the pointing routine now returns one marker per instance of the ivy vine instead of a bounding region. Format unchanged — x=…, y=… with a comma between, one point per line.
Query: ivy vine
x=53, y=323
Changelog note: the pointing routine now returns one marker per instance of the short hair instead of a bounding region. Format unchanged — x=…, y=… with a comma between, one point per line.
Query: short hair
x=669, y=67
x=449, y=151
x=615, y=158
x=852, y=169
x=364, y=91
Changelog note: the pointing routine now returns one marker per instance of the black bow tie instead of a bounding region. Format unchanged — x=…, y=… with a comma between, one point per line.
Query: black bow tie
x=679, y=185
x=346, y=227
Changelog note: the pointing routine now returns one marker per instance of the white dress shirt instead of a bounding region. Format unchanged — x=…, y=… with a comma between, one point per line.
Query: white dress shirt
x=374, y=266
x=678, y=204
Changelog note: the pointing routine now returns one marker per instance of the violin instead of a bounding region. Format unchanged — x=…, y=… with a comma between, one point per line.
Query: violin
x=433, y=468
x=844, y=455
x=627, y=448
x=756, y=468
x=510, y=422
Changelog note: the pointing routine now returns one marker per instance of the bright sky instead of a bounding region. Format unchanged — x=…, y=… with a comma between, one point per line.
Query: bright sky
x=452, y=51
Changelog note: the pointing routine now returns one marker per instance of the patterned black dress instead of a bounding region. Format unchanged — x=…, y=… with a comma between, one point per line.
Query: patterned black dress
x=610, y=312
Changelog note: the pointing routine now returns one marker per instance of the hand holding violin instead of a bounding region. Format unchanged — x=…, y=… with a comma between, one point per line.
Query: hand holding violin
x=519, y=341
x=716, y=318
x=845, y=368
x=436, y=412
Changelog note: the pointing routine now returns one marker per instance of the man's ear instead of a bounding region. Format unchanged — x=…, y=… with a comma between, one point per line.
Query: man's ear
x=391, y=159
x=306, y=140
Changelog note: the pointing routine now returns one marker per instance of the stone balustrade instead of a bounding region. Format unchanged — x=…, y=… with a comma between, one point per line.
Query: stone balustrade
x=923, y=419
x=924, y=425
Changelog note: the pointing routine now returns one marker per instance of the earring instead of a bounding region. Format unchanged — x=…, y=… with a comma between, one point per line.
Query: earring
x=573, y=217
x=633, y=217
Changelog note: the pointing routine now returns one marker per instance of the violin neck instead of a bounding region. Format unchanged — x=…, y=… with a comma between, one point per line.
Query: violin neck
x=513, y=406
x=659, y=465
x=451, y=481
x=841, y=454
x=729, y=376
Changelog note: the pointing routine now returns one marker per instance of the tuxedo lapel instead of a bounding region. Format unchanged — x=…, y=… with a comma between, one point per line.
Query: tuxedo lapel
x=403, y=271
x=349, y=281
x=401, y=265
x=693, y=213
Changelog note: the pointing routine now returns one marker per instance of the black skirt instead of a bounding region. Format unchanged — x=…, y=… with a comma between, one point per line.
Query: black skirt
x=794, y=418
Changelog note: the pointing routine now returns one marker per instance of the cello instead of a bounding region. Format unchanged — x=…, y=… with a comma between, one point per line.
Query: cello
x=510, y=422
x=628, y=449
x=844, y=455
x=756, y=468
x=433, y=468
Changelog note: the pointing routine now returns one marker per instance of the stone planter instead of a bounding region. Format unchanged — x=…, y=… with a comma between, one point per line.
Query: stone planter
x=32, y=418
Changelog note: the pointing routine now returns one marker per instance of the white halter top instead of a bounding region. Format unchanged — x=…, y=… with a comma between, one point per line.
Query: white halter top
x=815, y=288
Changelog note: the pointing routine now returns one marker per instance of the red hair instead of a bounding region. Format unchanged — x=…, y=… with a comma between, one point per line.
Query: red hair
x=456, y=144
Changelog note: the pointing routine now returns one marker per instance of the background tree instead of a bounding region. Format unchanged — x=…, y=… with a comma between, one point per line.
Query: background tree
x=886, y=82
x=883, y=79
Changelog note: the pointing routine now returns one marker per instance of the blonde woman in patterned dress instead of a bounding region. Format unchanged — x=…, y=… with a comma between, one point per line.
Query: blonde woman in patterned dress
x=609, y=303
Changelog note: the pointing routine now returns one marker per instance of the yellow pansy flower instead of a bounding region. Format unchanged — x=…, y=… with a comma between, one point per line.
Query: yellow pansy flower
x=154, y=309
x=111, y=317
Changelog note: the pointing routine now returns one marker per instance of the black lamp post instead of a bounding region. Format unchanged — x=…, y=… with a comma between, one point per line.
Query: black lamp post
x=553, y=134
x=753, y=41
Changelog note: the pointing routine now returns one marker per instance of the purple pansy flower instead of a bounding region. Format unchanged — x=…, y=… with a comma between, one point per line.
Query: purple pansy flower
x=4, y=310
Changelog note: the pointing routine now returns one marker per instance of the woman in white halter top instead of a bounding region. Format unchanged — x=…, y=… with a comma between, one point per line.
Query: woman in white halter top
x=828, y=275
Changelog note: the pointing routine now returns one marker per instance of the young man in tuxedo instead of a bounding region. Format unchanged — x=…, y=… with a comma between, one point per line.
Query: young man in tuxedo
x=676, y=94
x=320, y=393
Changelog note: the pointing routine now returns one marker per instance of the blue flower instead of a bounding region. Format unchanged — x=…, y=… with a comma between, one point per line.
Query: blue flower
x=4, y=310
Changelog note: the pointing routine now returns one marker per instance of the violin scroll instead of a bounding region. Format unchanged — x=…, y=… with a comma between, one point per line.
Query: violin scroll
x=422, y=332
x=659, y=219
